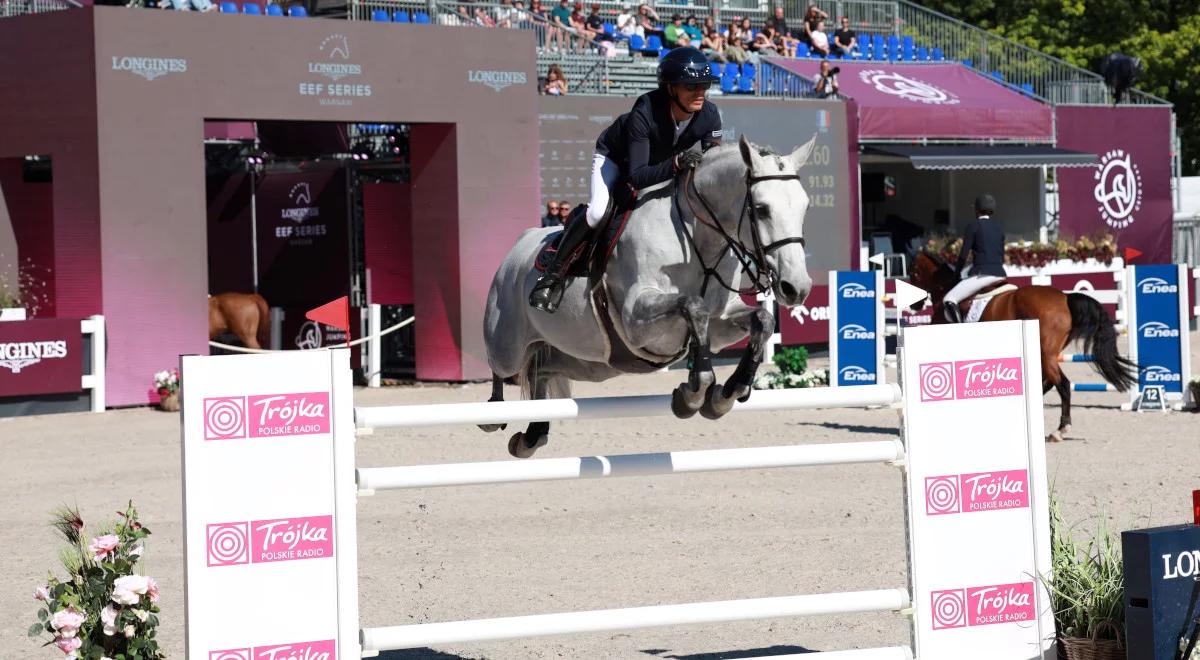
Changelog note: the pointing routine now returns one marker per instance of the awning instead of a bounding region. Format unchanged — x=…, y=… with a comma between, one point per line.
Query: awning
x=936, y=101
x=983, y=157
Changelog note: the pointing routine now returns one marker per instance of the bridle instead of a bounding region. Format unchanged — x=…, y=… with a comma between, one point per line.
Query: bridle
x=753, y=258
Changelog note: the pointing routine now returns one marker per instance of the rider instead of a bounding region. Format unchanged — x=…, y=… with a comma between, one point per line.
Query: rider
x=647, y=145
x=985, y=239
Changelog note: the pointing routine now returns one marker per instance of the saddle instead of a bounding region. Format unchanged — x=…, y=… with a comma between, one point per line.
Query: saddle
x=979, y=302
x=601, y=245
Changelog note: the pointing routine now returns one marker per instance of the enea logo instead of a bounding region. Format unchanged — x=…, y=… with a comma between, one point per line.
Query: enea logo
x=856, y=374
x=1157, y=330
x=983, y=606
x=1157, y=374
x=911, y=89
x=855, y=331
x=979, y=491
x=325, y=649
x=1118, y=188
x=1153, y=285
x=262, y=541
x=266, y=415
x=855, y=290
x=970, y=379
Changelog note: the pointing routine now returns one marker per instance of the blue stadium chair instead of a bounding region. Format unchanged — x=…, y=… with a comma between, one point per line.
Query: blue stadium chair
x=654, y=43
x=923, y=54
x=296, y=11
x=401, y=16
x=229, y=8
x=1027, y=88
x=636, y=43
x=421, y=18
x=938, y=56
x=729, y=76
x=802, y=50
x=252, y=9
x=998, y=76
x=610, y=29
x=746, y=80
x=893, y=47
x=274, y=10
x=878, y=48
x=381, y=16
x=908, y=43
x=969, y=64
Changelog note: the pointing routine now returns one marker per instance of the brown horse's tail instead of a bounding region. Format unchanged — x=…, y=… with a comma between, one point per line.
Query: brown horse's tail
x=1092, y=324
x=264, y=321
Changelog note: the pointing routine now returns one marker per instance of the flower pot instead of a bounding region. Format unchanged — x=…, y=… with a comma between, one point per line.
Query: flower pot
x=1194, y=389
x=169, y=403
x=1084, y=648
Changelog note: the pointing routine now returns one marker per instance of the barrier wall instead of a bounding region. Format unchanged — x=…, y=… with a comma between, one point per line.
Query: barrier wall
x=50, y=365
x=270, y=488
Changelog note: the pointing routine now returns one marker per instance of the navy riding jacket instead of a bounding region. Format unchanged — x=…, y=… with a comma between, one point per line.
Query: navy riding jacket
x=642, y=141
x=985, y=239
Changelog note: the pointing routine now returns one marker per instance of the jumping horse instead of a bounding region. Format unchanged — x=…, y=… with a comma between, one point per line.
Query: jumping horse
x=667, y=290
x=1062, y=318
x=244, y=314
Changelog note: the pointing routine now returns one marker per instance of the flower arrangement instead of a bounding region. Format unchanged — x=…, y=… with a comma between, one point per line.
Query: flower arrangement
x=792, y=363
x=29, y=292
x=1035, y=254
x=103, y=610
x=167, y=383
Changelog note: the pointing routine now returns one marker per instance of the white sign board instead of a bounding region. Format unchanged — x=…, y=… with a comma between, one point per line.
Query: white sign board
x=265, y=542
x=977, y=491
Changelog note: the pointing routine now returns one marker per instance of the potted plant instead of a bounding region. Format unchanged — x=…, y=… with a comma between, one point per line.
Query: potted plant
x=1194, y=390
x=792, y=363
x=167, y=385
x=1087, y=591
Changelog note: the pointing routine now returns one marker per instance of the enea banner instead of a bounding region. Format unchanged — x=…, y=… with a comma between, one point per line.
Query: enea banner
x=40, y=356
x=1128, y=193
x=977, y=491
x=1158, y=301
x=260, y=515
x=856, y=319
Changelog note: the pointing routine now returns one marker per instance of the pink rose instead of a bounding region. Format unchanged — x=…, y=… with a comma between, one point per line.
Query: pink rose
x=67, y=621
x=108, y=617
x=152, y=589
x=129, y=590
x=42, y=593
x=103, y=546
x=68, y=645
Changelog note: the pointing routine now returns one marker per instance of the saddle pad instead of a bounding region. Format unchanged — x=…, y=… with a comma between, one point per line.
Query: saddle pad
x=601, y=246
x=980, y=302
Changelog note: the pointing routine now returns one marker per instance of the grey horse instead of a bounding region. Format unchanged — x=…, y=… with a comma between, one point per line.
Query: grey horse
x=670, y=288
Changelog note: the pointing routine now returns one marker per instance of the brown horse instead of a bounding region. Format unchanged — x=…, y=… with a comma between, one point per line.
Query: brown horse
x=244, y=314
x=1062, y=317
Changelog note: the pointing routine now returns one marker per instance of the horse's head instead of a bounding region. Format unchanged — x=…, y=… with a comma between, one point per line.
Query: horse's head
x=932, y=273
x=776, y=205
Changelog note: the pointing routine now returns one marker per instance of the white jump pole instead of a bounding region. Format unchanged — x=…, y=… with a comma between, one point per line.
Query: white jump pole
x=539, y=625
x=627, y=465
x=881, y=653
x=375, y=344
x=551, y=410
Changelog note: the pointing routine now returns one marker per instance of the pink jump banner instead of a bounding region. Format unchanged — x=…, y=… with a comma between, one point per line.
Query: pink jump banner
x=40, y=356
x=1128, y=193
x=934, y=101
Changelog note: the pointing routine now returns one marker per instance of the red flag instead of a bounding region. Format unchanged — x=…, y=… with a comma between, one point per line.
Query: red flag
x=335, y=313
x=1132, y=253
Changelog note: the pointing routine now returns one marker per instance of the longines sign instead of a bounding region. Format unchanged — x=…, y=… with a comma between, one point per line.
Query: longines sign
x=40, y=356
x=149, y=67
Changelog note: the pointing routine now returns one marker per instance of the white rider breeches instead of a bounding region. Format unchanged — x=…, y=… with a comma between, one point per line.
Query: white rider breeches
x=969, y=286
x=604, y=176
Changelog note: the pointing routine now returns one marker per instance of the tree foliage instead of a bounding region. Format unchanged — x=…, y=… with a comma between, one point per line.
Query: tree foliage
x=1164, y=33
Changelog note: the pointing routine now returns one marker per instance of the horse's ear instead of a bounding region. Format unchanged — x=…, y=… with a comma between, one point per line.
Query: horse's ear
x=749, y=154
x=800, y=156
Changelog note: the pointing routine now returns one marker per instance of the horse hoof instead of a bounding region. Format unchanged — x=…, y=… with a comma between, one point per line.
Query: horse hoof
x=1054, y=437
x=490, y=428
x=715, y=404
x=520, y=447
x=680, y=406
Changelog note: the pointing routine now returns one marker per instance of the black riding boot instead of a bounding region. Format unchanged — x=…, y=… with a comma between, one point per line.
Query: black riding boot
x=953, y=313
x=548, y=292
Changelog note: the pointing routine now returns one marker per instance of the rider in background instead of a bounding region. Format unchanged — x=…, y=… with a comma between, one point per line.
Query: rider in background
x=985, y=239
x=647, y=145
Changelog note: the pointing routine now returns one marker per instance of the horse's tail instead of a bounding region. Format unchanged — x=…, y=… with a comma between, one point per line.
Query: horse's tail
x=556, y=386
x=264, y=321
x=1092, y=324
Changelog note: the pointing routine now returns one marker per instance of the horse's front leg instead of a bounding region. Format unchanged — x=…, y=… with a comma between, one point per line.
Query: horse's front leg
x=651, y=312
x=760, y=325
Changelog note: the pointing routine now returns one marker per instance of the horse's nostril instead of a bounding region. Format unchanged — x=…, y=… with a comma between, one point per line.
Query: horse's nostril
x=786, y=288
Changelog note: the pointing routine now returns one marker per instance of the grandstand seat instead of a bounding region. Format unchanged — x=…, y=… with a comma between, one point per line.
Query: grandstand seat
x=969, y=64
x=923, y=54
x=381, y=16
x=401, y=16
x=1027, y=88
x=296, y=11
x=421, y=18
x=229, y=8
x=274, y=10
x=609, y=29
x=893, y=47
x=252, y=9
x=802, y=50
x=729, y=76
x=879, y=53
x=654, y=44
x=909, y=48
x=998, y=76
x=636, y=43
x=937, y=54
x=746, y=80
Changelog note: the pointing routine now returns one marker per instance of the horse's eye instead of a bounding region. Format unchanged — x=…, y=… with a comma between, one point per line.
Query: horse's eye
x=762, y=209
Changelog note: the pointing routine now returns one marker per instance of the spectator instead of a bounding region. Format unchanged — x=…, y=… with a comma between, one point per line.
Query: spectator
x=845, y=40
x=556, y=81
x=746, y=35
x=551, y=218
x=627, y=23
x=188, y=5
x=674, y=31
x=483, y=18
x=735, y=50
x=713, y=46
x=596, y=24
x=826, y=81
x=820, y=40
x=560, y=25
x=507, y=15
x=579, y=25
x=695, y=36
x=648, y=19
x=786, y=35
x=709, y=24
x=811, y=17
x=765, y=42
x=564, y=211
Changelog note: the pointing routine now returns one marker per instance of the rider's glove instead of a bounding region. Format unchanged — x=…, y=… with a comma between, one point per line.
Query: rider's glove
x=687, y=160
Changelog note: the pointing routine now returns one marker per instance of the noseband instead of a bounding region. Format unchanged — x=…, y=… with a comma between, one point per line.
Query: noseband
x=753, y=258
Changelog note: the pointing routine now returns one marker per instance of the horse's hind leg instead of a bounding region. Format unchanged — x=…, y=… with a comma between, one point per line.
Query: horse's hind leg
x=1052, y=376
x=720, y=399
x=497, y=395
x=1064, y=393
x=537, y=434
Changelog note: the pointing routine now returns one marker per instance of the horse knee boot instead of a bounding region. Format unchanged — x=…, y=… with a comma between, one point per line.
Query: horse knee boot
x=953, y=313
x=548, y=292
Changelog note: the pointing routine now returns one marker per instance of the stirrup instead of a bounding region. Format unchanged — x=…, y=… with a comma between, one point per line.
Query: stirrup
x=548, y=292
x=952, y=312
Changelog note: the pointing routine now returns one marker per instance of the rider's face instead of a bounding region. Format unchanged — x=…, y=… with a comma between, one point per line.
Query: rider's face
x=691, y=96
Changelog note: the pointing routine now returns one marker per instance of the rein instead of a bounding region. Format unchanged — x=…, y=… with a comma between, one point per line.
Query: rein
x=754, y=258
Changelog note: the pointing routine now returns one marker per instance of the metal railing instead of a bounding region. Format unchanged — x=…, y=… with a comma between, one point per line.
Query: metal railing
x=869, y=16
x=774, y=81
x=1185, y=240
x=19, y=7
x=585, y=74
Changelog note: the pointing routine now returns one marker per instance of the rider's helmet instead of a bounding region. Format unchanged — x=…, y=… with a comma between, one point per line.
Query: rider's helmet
x=686, y=65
